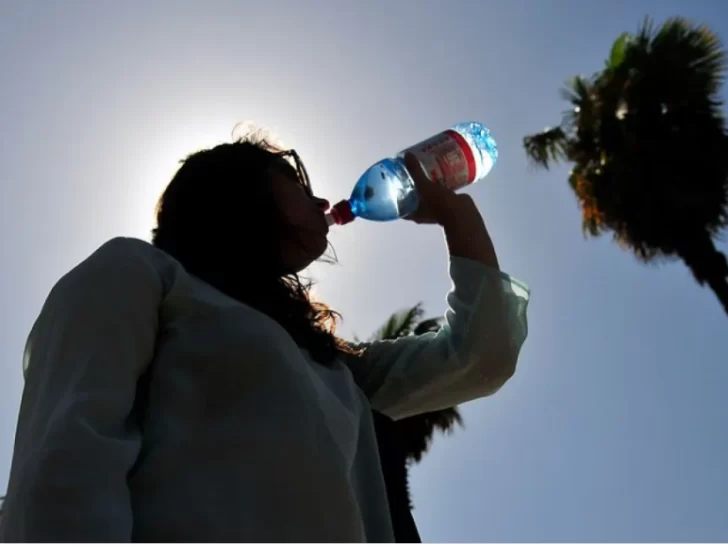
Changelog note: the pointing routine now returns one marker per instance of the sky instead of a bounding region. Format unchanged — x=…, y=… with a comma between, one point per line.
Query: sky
x=612, y=429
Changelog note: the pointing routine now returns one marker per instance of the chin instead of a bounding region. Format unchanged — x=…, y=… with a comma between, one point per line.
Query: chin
x=306, y=257
x=323, y=246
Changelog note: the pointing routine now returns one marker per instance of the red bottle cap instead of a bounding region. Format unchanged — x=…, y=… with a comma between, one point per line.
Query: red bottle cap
x=341, y=213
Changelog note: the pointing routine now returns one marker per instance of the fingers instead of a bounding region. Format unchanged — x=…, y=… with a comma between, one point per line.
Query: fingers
x=428, y=189
x=414, y=167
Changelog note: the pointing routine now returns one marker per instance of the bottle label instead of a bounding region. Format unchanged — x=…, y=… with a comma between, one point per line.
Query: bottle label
x=447, y=159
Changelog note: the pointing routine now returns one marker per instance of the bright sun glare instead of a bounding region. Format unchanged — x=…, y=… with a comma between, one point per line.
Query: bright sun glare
x=158, y=166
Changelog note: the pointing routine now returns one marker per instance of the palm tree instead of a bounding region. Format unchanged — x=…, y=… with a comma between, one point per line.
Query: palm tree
x=404, y=442
x=648, y=143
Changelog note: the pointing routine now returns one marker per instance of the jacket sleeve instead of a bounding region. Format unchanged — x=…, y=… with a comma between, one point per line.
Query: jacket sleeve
x=472, y=355
x=76, y=439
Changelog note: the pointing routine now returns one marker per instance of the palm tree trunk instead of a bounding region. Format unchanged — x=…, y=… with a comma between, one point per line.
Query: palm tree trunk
x=708, y=265
x=393, y=459
x=720, y=287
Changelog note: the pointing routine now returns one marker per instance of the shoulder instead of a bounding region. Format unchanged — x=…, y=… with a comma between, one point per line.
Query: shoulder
x=122, y=263
x=121, y=250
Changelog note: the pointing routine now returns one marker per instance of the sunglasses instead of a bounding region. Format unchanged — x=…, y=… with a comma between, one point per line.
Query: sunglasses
x=292, y=159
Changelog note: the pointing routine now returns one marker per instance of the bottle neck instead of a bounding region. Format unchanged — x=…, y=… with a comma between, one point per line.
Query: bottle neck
x=340, y=213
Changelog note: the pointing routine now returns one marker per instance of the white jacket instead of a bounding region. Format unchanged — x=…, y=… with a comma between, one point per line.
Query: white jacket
x=244, y=438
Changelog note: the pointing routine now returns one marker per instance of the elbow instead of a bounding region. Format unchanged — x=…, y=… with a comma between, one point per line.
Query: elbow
x=502, y=373
x=508, y=353
x=506, y=369
x=496, y=366
x=499, y=355
x=507, y=361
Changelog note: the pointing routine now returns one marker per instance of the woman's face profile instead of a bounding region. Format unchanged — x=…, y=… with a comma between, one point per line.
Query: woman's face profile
x=304, y=237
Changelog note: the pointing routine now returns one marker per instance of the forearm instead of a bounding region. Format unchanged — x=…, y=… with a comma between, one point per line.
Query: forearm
x=466, y=234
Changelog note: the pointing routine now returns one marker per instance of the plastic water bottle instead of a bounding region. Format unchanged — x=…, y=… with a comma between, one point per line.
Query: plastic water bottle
x=454, y=158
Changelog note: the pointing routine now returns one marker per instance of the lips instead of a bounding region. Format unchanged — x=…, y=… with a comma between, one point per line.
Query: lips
x=324, y=206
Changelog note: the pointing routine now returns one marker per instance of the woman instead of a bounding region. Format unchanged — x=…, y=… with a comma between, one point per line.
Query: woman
x=190, y=390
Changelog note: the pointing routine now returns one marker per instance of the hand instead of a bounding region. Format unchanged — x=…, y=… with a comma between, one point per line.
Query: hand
x=438, y=205
x=465, y=230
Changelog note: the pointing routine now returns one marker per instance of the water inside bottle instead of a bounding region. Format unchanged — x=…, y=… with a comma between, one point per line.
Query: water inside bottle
x=384, y=192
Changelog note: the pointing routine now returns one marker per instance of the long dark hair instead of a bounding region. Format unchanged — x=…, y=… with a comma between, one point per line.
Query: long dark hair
x=218, y=218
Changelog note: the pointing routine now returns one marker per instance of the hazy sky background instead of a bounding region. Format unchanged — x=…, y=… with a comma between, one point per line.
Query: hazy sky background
x=614, y=427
